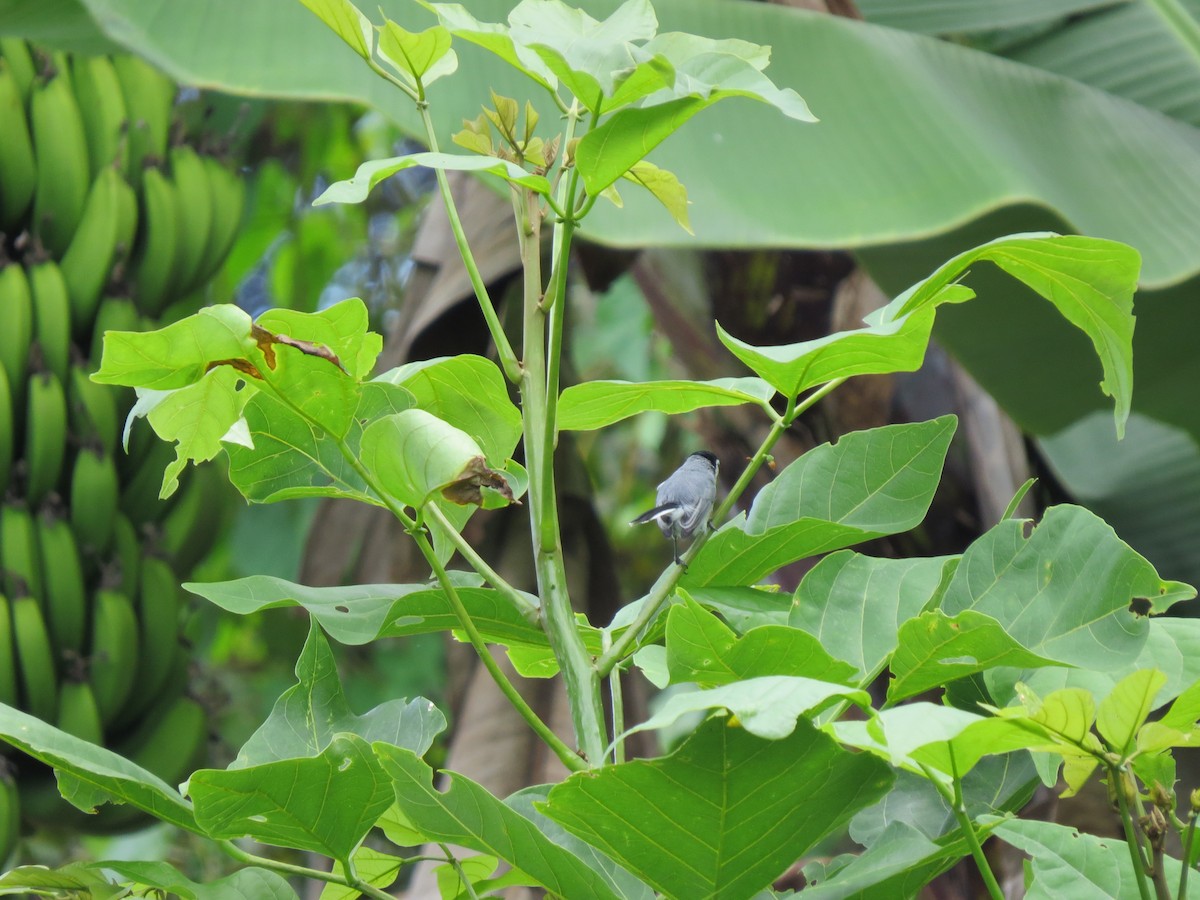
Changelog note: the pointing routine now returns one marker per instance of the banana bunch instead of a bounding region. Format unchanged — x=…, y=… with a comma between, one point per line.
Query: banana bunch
x=105, y=224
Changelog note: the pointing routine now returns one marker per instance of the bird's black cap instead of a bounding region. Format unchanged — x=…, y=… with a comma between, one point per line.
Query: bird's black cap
x=711, y=457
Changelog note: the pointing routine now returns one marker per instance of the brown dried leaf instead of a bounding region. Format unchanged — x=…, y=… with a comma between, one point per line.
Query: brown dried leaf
x=468, y=487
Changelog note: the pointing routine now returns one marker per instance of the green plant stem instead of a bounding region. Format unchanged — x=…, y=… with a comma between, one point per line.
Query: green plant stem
x=508, y=358
x=618, y=707
x=666, y=582
x=558, y=617
x=953, y=797
x=302, y=871
x=1188, y=836
x=458, y=870
x=479, y=564
x=1136, y=853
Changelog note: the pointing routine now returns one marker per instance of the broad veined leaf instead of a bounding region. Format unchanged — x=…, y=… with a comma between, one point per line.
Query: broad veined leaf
x=1063, y=592
x=161, y=876
x=496, y=39
x=846, y=590
x=288, y=458
x=347, y=22
x=768, y=706
x=1090, y=281
x=934, y=649
x=308, y=715
x=372, y=867
x=665, y=187
x=90, y=775
x=362, y=613
x=702, y=649
x=1126, y=708
x=178, y=355
x=73, y=878
x=964, y=16
x=369, y=174
x=870, y=483
x=414, y=453
x=340, y=332
x=467, y=815
x=595, y=404
x=470, y=393
x=692, y=824
x=423, y=56
x=344, y=792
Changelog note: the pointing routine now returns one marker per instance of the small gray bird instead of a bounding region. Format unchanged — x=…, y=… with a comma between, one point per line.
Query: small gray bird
x=685, y=500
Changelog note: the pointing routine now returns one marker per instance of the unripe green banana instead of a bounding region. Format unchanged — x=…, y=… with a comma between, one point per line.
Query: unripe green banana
x=45, y=430
x=93, y=251
x=9, y=690
x=64, y=593
x=95, y=489
x=152, y=266
x=149, y=101
x=16, y=332
x=61, y=148
x=103, y=109
x=229, y=200
x=18, y=169
x=35, y=659
x=7, y=425
x=78, y=713
x=114, y=651
x=51, y=317
x=19, y=557
x=20, y=60
x=92, y=411
x=158, y=608
x=195, y=214
x=126, y=560
x=127, y=221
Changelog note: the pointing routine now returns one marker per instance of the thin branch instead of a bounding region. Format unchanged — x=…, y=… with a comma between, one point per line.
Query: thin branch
x=302, y=871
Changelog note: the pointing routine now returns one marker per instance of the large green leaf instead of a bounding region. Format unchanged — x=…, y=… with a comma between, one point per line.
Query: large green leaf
x=467, y=815
x=1067, y=863
x=369, y=174
x=958, y=16
x=1064, y=591
x=868, y=484
x=162, y=876
x=595, y=404
x=897, y=864
x=701, y=649
x=344, y=792
x=90, y=775
x=308, y=715
x=725, y=813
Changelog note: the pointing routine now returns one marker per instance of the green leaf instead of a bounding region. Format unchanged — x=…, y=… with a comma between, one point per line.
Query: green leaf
x=99, y=775
x=372, y=867
x=422, y=57
x=702, y=649
x=496, y=39
x=178, y=355
x=666, y=188
x=611, y=149
x=768, y=706
x=414, y=454
x=291, y=459
x=871, y=483
x=898, y=863
x=1089, y=280
x=895, y=346
x=934, y=649
x=344, y=792
x=467, y=815
x=1064, y=591
x=347, y=23
x=595, y=404
x=362, y=613
x=369, y=174
x=162, y=876
x=308, y=715
x=846, y=589
x=964, y=16
x=197, y=417
x=73, y=879
x=342, y=329
x=1126, y=708
x=1067, y=863
x=470, y=393
x=724, y=814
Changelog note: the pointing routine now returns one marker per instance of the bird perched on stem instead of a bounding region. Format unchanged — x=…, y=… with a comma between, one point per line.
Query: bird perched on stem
x=685, y=500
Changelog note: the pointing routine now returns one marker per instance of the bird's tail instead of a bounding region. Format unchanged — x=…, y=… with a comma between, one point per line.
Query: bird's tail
x=655, y=514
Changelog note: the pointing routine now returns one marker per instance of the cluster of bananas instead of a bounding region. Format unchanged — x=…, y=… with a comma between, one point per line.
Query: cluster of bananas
x=103, y=226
